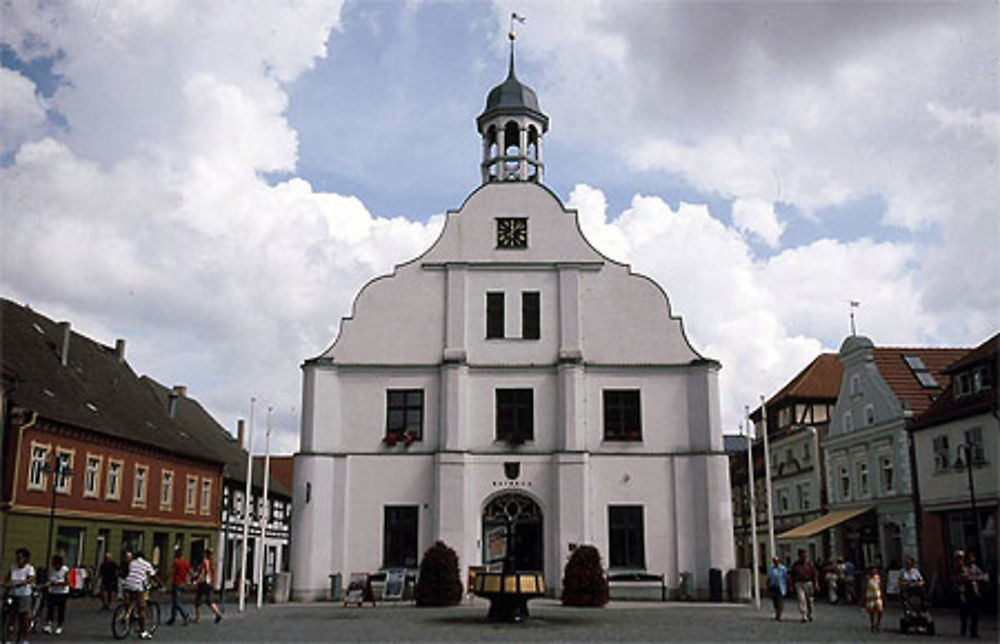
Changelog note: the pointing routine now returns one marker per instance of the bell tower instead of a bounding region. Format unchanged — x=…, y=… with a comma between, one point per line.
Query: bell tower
x=512, y=126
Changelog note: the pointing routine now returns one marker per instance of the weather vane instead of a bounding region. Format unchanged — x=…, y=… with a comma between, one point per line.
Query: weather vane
x=854, y=304
x=514, y=18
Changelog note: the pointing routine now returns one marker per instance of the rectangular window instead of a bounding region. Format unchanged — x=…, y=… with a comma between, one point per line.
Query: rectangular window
x=869, y=415
x=530, y=315
x=888, y=475
x=848, y=422
x=113, y=488
x=981, y=379
x=942, y=455
x=191, y=495
x=515, y=415
x=863, y=479
x=782, y=501
x=494, y=315
x=64, y=469
x=805, y=491
x=845, y=483
x=622, y=415
x=404, y=412
x=92, y=476
x=399, y=537
x=36, y=471
x=974, y=439
x=963, y=384
x=626, y=537
x=206, y=496
x=139, y=485
x=167, y=490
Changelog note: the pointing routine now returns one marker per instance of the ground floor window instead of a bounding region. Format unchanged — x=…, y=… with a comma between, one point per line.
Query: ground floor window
x=399, y=542
x=626, y=537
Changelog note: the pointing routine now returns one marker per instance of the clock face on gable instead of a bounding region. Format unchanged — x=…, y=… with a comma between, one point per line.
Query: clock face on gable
x=512, y=232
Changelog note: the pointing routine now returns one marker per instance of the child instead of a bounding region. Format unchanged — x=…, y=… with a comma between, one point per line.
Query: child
x=873, y=598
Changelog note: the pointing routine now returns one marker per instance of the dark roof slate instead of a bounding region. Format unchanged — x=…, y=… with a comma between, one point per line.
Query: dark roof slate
x=97, y=390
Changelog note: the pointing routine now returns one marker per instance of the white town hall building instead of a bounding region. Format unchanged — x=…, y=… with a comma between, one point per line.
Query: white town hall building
x=511, y=371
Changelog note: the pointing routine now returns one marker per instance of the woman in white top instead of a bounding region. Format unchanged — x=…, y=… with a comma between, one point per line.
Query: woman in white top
x=20, y=579
x=911, y=577
x=58, y=594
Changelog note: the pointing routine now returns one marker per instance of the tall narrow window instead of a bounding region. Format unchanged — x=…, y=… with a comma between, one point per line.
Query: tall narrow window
x=404, y=413
x=139, y=485
x=494, y=315
x=942, y=455
x=622, y=415
x=167, y=490
x=974, y=439
x=399, y=539
x=191, y=495
x=863, y=479
x=515, y=415
x=888, y=475
x=36, y=472
x=113, y=489
x=530, y=315
x=92, y=476
x=626, y=537
x=206, y=496
x=64, y=468
x=845, y=483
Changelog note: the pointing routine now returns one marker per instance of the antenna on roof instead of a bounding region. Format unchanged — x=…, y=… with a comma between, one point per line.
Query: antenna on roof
x=854, y=304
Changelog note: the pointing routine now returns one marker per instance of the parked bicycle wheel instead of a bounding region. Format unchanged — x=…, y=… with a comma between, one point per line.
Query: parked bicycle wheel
x=152, y=616
x=121, y=621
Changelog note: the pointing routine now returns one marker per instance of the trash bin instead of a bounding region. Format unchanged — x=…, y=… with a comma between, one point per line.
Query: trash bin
x=687, y=585
x=282, y=588
x=738, y=583
x=715, y=585
x=336, y=587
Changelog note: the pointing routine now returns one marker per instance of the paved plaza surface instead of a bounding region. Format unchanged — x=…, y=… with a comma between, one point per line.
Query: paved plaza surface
x=550, y=622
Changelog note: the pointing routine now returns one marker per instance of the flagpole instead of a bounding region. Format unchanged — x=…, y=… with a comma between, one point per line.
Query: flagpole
x=753, y=512
x=265, y=516
x=246, y=513
x=767, y=481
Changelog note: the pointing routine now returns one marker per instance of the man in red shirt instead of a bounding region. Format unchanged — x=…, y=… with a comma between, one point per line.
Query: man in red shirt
x=179, y=574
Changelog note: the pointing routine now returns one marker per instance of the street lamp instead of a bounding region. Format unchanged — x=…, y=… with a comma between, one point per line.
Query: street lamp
x=58, y=471
x=970, y=450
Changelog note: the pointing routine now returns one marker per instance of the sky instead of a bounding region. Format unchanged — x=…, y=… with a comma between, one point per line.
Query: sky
x=215, y=181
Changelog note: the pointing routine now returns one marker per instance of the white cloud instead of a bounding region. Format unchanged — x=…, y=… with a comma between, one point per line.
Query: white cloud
x=22, y=111
x=758, y=218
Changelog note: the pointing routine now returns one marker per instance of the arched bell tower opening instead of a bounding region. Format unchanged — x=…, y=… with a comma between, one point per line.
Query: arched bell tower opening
x=512, y=126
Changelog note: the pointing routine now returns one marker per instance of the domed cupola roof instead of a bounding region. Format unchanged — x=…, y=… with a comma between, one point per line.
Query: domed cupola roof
x=513, y=98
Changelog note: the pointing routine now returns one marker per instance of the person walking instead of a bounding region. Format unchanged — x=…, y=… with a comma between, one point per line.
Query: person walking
x=203, y=592
x=777, y=583
x=873, y=599
x=804, y=580
x=180, y=572
x=108, y=574
x=20, y=579
x=967, y=578
x=58, y=593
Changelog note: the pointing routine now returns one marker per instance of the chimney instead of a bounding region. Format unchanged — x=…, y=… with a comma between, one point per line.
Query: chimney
x=181, y=390
x=120, y=350
x=172, y=403
x=64, y=354
x=240, y=431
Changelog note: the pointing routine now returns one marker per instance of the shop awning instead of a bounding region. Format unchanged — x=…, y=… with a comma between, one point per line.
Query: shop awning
x=822, y=523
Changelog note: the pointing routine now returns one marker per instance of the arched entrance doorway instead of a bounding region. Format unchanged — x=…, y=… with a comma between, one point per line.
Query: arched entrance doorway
x=527, y=544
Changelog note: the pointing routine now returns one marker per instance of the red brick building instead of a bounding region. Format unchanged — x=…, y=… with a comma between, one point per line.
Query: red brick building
x=137, y=479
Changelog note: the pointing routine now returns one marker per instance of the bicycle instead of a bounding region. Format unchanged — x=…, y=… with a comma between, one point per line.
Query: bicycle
x=11, y=620
x=126, y=617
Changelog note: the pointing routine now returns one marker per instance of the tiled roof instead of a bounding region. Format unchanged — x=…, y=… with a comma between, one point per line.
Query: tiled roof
x=947, y=408
x=820, y=379
x=902, y=380
x=983, y=352
x=216, y=440
x=282, y=469
x=97, y=390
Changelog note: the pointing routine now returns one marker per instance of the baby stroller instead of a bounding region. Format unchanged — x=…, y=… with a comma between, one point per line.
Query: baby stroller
x=916, y=611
